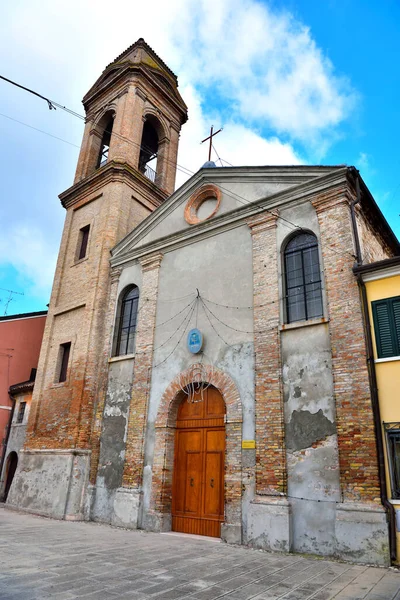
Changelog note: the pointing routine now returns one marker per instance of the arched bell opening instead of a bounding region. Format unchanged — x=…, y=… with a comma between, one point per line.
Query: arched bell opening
x=102, y=158
x=149, y=149
x=153, y=151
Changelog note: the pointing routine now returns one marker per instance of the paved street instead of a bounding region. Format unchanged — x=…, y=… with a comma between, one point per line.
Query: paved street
x=41, y=558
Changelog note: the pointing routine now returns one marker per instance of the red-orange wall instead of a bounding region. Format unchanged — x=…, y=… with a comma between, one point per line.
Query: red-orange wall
x=20, y=341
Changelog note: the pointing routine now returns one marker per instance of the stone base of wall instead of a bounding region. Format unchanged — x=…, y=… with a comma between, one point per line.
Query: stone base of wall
x=158, y=522
x=362, y=534
x=119, y=507
x=268, y=524
x=51, y=483
x=231, y=534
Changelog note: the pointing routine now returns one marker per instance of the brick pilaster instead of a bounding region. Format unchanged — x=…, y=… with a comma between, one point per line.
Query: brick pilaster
x=270, y=434
x=355, y=424
x=133, y=468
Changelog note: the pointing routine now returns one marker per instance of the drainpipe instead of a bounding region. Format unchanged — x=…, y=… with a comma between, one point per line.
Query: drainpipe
x=3, y=455
x=354, y=220
x=390, y=511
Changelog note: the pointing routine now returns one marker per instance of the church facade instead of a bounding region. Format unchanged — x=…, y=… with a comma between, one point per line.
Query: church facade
x=204, y=363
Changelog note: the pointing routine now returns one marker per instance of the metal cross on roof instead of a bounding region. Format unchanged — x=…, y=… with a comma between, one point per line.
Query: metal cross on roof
x=210, y=137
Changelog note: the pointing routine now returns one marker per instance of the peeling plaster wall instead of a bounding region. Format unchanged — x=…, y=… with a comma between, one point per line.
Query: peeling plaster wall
x=311, y=442
x=221, y=268
x=113, y=438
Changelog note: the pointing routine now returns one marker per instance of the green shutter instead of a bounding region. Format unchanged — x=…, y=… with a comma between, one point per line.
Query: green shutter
x=396, y=318
x=387, y=326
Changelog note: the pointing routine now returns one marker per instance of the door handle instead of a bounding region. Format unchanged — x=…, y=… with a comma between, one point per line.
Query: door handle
x=191, y=482
x=212, y=483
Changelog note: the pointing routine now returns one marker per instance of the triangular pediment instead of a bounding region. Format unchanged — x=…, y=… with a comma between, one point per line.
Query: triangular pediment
x=242, y=191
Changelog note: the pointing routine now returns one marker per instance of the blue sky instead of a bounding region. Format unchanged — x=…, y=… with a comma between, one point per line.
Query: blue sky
x=291, y=82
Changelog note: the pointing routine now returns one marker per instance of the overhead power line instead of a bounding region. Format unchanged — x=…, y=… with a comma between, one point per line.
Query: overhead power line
x=52, y=105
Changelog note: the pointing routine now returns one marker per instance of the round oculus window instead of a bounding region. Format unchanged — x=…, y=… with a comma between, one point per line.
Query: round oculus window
x=203, y=204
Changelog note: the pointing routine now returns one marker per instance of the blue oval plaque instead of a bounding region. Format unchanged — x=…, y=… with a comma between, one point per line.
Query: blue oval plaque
x=194, y=341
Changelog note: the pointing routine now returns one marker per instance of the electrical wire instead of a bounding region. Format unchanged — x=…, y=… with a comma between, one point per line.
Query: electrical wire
x=40, y=130
x=52, y=104
x=178, y=328
x=178, y=342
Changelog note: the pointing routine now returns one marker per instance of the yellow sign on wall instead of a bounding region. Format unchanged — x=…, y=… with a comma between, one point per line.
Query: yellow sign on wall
x=248, y=444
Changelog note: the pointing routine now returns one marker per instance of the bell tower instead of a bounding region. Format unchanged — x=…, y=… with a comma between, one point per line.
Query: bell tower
x=126, y=169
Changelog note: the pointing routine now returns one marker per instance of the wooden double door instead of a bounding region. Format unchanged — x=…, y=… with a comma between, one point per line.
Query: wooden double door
x=198, y=482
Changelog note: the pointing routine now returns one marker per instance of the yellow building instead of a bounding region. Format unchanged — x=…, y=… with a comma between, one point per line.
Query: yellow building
x=380, y=289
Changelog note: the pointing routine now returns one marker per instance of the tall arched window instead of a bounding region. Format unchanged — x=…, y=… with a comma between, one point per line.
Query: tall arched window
x=127, y=322
x=303, y=278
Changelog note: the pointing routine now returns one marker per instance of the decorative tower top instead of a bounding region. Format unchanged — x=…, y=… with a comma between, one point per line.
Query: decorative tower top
x=134, y=113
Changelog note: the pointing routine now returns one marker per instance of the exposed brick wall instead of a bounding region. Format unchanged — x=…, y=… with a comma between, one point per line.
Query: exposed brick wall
x=373, y=248
x=62, y=413
x=113, y=200
x=270, y=435
x=355, y=425
x=165, y=436
x=133, y=469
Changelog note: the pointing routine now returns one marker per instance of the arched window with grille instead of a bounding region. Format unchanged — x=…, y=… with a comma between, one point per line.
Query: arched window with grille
x=302, y=278
x=127, y=322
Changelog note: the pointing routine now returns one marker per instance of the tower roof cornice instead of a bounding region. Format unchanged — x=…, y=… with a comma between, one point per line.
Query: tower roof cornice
x=140, y=43
x=138, y=60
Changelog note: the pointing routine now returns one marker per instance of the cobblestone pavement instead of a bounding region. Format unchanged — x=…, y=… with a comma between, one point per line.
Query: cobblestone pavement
x=41, y=558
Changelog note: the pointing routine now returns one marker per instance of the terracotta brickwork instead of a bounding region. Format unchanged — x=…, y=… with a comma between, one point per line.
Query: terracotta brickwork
x=128, y=93
x=354, y=419
x=165, y=435
x=112, y=200
x=133, y=469
x=270, y=434
x=373, y=247
x=206, y=192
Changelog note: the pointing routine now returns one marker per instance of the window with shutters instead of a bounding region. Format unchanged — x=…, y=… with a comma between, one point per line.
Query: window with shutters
x=386, y=315
x=393, y=451
x=126, y=329
x=302, y=278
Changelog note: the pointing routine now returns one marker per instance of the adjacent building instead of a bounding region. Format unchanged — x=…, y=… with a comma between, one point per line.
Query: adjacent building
x=205, y=364
x=380, y=287
x=20, y=340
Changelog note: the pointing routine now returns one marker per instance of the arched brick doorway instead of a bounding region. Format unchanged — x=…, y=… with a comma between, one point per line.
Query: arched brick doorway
x=165, y=427
x=11, y=467
x=198, y=499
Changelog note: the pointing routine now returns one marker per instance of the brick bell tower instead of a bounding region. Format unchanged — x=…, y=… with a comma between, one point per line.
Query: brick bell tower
x=126, y=169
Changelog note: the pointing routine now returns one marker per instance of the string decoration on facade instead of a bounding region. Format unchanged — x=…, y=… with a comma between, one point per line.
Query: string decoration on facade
x=193, y=382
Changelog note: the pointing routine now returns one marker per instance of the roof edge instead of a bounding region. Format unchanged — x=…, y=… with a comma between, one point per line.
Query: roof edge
x=40, y=313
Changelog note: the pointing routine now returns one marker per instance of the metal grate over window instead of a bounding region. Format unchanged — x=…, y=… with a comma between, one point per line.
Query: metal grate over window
x=127, y=323
x=21, y=412
x=303, y=279
x=393, y=450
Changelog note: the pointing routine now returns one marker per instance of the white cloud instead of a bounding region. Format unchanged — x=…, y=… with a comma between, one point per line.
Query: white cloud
x=236, y=144
x=242, y=64
x=26, y=249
